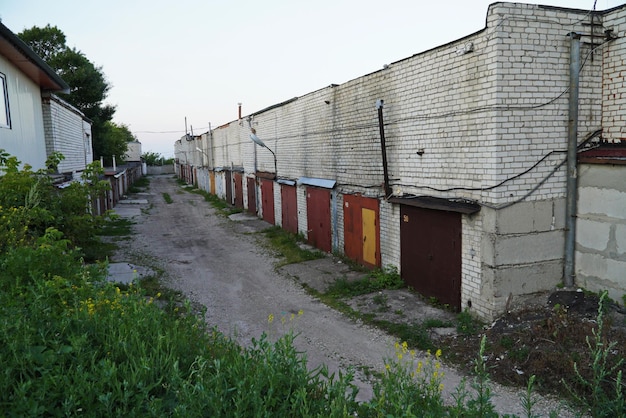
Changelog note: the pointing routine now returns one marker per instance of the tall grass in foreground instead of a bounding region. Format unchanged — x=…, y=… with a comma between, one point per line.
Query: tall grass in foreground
x=72, y=344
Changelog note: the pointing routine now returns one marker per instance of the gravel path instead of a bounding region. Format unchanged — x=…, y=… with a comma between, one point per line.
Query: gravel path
x=216, y=263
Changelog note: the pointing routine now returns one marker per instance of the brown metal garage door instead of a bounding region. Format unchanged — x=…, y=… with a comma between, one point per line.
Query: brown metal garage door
x=267, y=197
x=289, y=205
x=252, y=195
x=229, y=186
x=238, y=190
x=318, y=218
x=430, y=253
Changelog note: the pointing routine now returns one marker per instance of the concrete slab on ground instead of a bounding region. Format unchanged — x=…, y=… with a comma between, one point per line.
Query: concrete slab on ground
x=133, y=202
x=248, y=223
x=127, y=273
x=127, y=211
x=321, y=273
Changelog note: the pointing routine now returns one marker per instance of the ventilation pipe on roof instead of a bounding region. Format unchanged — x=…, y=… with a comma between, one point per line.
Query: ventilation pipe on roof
x=569, y=272
x=383, y=146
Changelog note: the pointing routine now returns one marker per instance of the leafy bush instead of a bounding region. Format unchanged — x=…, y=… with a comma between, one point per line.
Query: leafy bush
x=30, y=204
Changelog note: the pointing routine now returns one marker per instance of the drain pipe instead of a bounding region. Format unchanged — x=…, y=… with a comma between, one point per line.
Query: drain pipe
x=383, y=146
x=569, y=272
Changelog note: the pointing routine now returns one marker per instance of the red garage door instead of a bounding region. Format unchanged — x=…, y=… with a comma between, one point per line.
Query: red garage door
x=289, y=206
x=267, y=196
x=318, y=218
x=430, y=253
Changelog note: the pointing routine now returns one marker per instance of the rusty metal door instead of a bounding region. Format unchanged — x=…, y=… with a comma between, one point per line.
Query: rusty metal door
x=229, y=186
x=267, y=200
x=238, y=190
x=252, y=195
x=212, y=179
x=318, y=218
x=430, y=253
x=361, y=230
x=289, y=205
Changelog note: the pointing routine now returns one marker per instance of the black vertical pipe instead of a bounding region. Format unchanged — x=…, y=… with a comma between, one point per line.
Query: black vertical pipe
x=383, y=146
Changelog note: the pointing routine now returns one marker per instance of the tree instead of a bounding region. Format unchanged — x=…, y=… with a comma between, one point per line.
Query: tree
x=154, y=158
x=118, y=137
x=88, y=84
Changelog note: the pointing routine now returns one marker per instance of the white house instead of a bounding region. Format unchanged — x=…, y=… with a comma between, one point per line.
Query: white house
x=24, y=76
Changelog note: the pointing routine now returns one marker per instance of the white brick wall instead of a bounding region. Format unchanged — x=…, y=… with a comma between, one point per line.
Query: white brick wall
x=480, y=118
x=614, y=83
x=64, y=128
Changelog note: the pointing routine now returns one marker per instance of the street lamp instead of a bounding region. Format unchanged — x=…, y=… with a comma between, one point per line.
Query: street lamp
x=258, y=141
x=207, y=155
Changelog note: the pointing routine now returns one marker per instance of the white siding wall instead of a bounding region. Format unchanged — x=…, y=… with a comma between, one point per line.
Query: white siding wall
x=25, y=139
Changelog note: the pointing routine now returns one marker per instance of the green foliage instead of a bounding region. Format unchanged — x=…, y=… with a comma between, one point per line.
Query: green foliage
x=156, y=159
x=73, y=344
x=603, y=391
x=47, y=42
x=30, y=205
x=407, y=389
x=376, y=281
x=88, y=84
x=168, y=199
x=466, y=323
x=118, y=137
x=287, y=246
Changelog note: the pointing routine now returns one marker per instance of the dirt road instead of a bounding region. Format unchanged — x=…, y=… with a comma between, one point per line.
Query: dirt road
x=213, y=261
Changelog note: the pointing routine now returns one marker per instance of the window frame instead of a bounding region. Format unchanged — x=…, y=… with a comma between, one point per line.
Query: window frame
x=5, y=114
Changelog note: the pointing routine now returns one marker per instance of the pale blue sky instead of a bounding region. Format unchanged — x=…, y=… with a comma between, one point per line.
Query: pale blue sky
x=167, y=60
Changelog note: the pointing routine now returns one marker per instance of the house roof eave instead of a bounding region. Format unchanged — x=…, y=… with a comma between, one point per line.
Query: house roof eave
x=31, y=64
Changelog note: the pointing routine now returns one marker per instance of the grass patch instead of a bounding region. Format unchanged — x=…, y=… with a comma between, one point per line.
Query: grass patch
x=467, y=324
x=415, y=335
x=140, y=185
x=168, y=199
x=376, y=281
x=221, y=206
x=116, y=226
x=286, y=246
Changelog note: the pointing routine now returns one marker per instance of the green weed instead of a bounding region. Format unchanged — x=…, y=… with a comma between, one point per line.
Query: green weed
x=287, y=247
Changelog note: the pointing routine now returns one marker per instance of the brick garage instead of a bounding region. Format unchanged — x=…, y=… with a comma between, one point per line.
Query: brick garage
x=482, y=120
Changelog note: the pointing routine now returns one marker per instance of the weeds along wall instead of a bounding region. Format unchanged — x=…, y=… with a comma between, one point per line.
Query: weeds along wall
x=482, y=119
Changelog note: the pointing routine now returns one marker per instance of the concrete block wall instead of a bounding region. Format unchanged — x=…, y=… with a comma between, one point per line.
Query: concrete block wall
x=601, y=229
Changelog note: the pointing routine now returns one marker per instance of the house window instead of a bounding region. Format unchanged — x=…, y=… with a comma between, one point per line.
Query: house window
x=5, y=115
